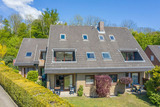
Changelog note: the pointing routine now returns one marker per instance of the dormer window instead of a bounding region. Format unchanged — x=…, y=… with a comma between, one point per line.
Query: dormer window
x=43, y=55
x=112, y=38
x=131, y=56
x=90, y=56
x=85, y=37
x=28, y=54
x=62, y=36
x=101, y=37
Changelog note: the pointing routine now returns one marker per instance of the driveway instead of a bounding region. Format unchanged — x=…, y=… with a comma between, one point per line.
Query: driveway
x=5, y=99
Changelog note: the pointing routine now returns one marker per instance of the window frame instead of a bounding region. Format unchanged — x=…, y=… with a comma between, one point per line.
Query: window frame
x=113, y=37
x=90, y=59
x=100, y=36
x=64, y=50
x=132, y=60
x=61, y=38
x=106, y=58
x=28, y=56
x=89, y=84
x=83, y=37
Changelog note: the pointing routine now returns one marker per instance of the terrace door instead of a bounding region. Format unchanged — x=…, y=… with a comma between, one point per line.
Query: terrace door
x=68, y=81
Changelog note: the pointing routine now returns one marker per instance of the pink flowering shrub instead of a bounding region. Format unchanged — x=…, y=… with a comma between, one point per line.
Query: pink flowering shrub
x=125, y=80
x=103, y=84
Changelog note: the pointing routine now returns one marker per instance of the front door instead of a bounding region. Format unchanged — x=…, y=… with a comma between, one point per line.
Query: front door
x=135, y=78
x=64, y=82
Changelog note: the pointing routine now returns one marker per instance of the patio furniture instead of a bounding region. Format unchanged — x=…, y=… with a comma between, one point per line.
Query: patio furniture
x=52, y=89
x=71, y=91
x=140, y=88
x=134, y=89
x=57, y=90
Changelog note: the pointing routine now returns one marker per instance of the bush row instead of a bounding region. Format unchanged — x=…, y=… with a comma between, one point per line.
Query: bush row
x=26, y=93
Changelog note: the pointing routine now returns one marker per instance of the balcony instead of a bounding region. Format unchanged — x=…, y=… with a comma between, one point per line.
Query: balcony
x=41, y=63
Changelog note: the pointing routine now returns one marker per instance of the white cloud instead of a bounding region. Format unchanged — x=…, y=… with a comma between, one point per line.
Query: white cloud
x=23, y=8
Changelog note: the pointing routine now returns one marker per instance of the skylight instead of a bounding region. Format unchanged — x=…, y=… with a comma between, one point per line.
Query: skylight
x=28, y=54
x=101, y=37
x=106, y=55
x=85, y=37
x=112, y=37
x=90, y=55
x=62, y=37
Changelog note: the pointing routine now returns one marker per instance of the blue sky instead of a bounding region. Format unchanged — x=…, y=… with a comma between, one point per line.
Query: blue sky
x=146, y=13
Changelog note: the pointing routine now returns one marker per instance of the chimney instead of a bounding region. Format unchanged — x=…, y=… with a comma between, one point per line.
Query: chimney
x=101, y=26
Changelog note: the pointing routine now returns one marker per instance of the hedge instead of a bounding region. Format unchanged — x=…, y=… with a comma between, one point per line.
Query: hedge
x=26, y=93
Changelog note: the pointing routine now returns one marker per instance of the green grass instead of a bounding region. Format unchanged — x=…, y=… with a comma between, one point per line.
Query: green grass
x=125, y=100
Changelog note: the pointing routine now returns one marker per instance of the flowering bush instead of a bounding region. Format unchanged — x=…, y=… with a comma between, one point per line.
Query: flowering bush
x=125, y=80
x=103, y=84
x=32, y=75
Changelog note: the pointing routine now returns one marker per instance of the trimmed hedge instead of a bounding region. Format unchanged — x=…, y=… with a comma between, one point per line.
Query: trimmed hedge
x=26, y=93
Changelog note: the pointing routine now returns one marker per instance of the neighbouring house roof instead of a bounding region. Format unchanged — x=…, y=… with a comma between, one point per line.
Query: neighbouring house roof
x=30, y=45
x=123, y=41
x=156, y=50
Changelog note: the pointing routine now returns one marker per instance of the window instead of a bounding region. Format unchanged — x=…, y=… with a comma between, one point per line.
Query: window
x=101, y=37
x=90, y=55
x=152, y=58
x=114, y=77
x=29, y=54
x=89, y=79
x=132, y=56
x=85, y=37
x=62, y=37
x=64, y=56
x=43, y=55
x=112, y=37
x=106, y=55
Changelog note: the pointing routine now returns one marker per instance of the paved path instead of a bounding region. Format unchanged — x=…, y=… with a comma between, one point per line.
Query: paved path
x=5, y=100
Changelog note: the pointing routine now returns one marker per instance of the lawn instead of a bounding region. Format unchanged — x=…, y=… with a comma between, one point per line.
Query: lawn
x=126, y=100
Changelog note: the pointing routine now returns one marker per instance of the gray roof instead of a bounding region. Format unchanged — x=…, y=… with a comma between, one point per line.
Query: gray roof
x=156, y=50
x=124, y=41
x=30, y=45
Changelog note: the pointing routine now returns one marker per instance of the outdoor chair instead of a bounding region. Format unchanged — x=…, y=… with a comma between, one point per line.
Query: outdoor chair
x=133, y=89
x=71, y=91
x=57, y=90
x=52, y=89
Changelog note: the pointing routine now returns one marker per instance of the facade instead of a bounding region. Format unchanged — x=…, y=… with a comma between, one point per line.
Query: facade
x=153, y=53
x=75, y=54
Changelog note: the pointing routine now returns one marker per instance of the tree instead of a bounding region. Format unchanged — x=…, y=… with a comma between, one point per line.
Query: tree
x=129, y=24
x=37, y=29
x=103, y=84
x=15, y=21
x=3, y=50
x=49, y=17
x=77, y=21
x=22, y=31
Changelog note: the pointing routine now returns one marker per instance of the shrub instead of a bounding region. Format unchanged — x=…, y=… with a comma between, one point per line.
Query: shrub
x=32, y=75
x=26, y=93
x=125, y=80
x=153, y=86
x=103, y=84
x=80, y=90
x=155, y=98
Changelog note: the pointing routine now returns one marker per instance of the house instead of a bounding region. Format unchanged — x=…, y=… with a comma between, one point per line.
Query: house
x=75, y=54
x=153, y=53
